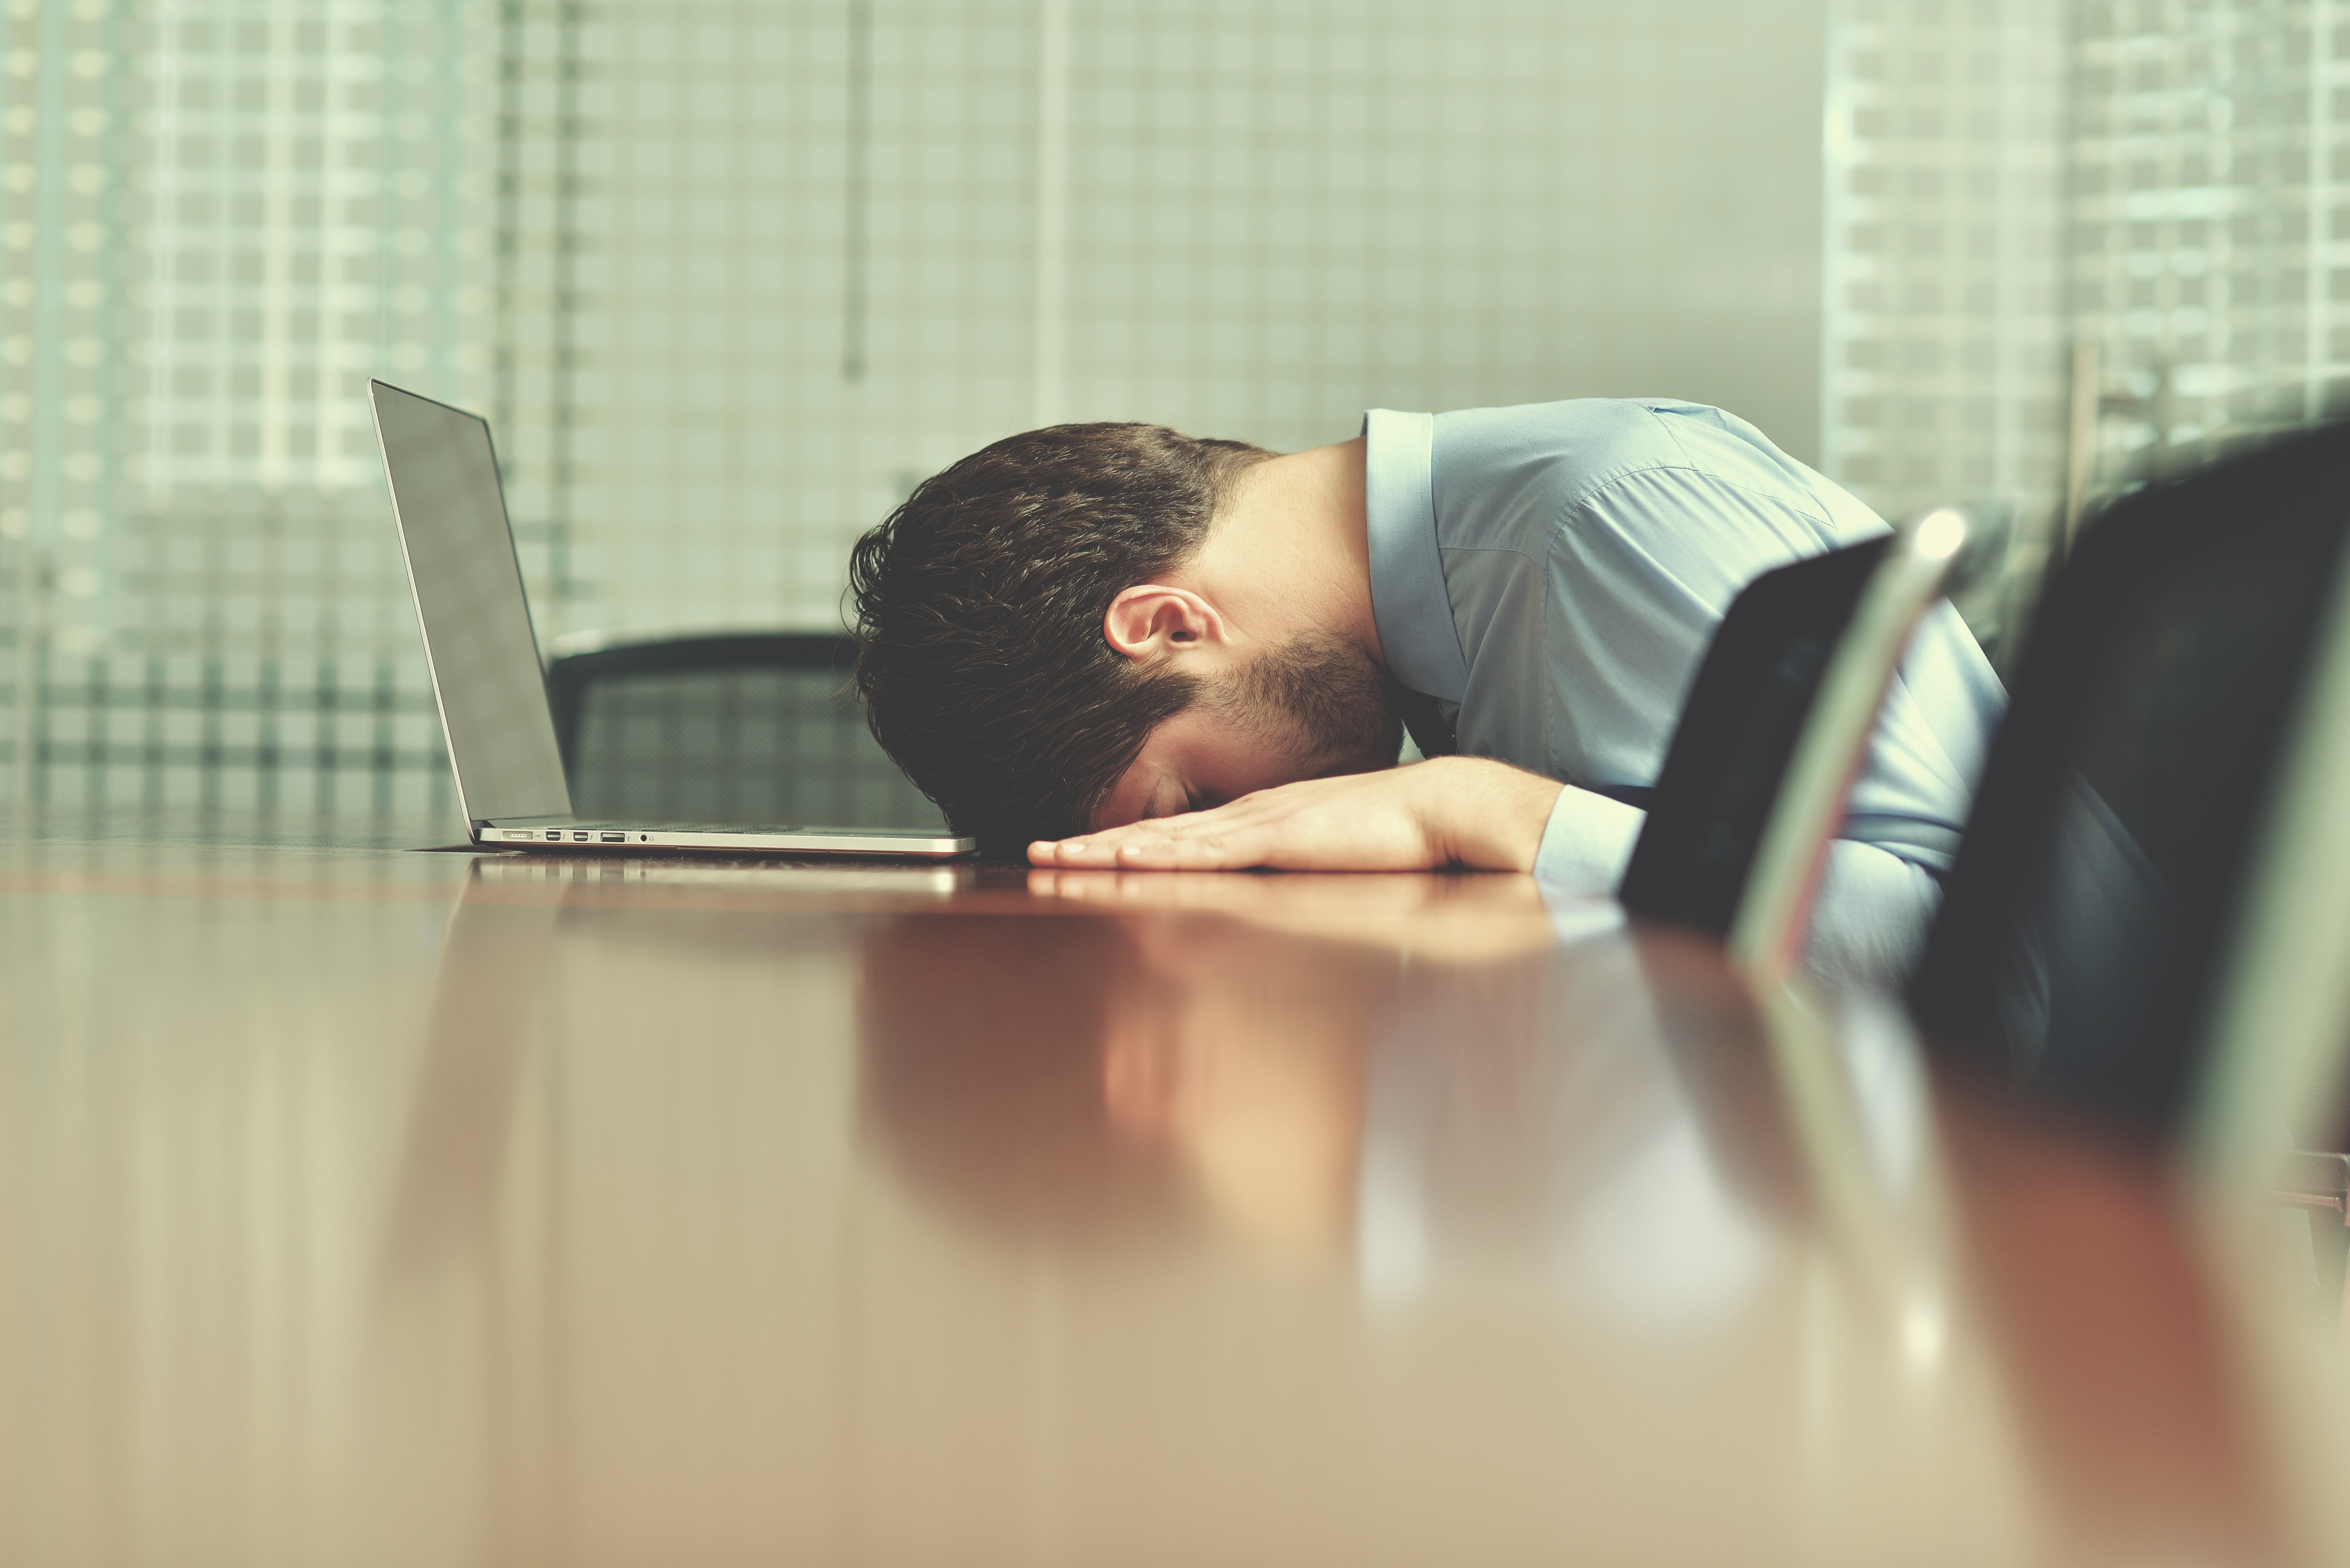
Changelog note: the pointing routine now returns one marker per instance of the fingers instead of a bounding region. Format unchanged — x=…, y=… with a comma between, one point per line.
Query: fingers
x=1199, y=841
x=1366, y=822
x=1125, y=849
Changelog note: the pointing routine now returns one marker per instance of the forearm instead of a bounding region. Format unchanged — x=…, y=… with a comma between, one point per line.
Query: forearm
x=1484, y=814
x=1870, y=918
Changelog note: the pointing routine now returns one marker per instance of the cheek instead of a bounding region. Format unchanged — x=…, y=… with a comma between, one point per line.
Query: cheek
x=1261, y=765
x=1117, y=810
x=1124, y=801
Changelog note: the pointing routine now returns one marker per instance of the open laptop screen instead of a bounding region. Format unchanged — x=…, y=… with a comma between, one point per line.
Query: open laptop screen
x=469, y=595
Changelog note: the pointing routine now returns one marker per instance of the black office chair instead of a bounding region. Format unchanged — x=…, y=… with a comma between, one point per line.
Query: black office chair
x=734, y=727
x=1775, y=724
x=2147, y=922
x=2081, y=945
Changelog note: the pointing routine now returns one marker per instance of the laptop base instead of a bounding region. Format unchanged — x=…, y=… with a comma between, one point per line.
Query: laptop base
x=716, y=838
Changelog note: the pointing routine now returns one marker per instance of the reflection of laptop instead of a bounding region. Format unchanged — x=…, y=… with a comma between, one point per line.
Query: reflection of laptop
x=484, y=660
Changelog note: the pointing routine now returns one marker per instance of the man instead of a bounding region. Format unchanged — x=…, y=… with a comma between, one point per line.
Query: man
x=1120, y=646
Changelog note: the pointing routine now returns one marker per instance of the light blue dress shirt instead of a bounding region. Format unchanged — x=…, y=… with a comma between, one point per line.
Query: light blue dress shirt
x=1550, y=574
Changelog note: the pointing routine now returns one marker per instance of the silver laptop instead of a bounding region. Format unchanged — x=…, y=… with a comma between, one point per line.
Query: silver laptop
x=484, y=660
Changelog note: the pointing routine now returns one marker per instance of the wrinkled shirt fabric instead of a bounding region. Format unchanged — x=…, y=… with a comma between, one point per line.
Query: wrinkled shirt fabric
x=1551, y=575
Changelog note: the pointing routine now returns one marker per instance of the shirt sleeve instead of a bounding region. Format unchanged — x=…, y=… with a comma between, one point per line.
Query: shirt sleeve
x=1586, y=844
x=1588, y=551
x=1640, y=573
x=1868, y=919
x=1641, y=577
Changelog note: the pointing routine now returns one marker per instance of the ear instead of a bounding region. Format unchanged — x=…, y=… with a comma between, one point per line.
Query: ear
x=1149, y=622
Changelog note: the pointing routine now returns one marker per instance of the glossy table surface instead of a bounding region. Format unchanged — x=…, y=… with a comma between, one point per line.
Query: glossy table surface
x=360, y=1205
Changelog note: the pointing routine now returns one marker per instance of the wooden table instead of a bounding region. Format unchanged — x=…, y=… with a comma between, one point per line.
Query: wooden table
x=363, y=1205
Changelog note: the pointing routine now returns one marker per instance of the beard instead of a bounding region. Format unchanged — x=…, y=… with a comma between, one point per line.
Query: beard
x=1324, y=701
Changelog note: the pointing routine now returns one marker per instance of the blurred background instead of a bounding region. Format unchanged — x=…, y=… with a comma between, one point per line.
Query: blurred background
x=729, y=276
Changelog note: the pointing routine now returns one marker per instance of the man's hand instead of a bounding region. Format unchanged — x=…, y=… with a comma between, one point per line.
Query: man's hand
x=1453, y=811
x=1475, y=918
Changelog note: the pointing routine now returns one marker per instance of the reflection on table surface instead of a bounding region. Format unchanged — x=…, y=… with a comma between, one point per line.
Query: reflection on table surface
x=359, y=1205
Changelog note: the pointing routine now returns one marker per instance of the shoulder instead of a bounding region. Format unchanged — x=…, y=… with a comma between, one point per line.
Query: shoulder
x=1550, y=460
x=1573, y=446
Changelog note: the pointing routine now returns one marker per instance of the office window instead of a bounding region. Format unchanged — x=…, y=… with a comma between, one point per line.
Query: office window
x=2207, y=176
x=728, y=276
x=230, y=215
x=1944, y=349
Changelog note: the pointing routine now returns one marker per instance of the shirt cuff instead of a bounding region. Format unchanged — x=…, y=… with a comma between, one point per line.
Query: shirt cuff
x=1586, y=844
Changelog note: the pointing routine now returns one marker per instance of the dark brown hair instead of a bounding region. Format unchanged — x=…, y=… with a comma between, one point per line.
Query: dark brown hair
x=978, y=610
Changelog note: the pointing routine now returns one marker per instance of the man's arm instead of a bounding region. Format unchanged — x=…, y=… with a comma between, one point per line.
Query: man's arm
x=1451, y=811
x=1870, y=918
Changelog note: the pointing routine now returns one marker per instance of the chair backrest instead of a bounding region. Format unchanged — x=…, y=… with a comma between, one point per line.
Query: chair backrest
x=730, y=727
x=1773, y=731
x=2084, y=946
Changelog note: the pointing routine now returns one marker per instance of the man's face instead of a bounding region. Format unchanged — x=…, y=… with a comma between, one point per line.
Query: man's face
x=1309, y=709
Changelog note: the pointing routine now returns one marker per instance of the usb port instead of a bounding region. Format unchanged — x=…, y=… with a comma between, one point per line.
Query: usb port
x=614, y=837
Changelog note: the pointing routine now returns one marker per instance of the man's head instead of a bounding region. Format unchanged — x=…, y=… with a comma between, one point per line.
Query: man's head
x=1310, y=706
x=984, y=659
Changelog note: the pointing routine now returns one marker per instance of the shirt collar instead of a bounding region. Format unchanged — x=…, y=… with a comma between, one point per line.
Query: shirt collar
x=1408, y=602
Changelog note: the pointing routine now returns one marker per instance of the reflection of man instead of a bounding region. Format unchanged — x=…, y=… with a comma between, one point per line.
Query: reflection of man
x=1126, y=1096
x=1471, y=1088
x=1114, y=645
